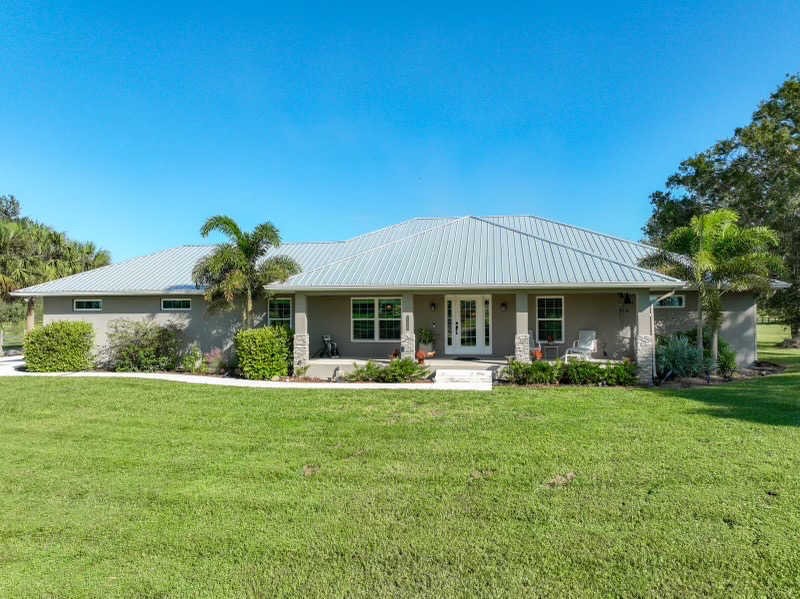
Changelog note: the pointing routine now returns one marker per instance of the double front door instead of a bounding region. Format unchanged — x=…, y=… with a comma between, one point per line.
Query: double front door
x=469, y=324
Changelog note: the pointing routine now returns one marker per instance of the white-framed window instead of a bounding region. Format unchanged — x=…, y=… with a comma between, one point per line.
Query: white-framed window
x=87, y=305
x=673, y=301
x=176, y=304
x=375, y=318
x=550, y=319
x=279, y=312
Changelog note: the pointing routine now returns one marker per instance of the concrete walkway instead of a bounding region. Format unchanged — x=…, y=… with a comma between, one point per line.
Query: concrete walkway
x=10, y=366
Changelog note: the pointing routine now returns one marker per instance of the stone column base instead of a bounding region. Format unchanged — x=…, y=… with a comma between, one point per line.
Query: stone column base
x=408, y=345
x=300, y=350
x=645, y=352
x=522, y=347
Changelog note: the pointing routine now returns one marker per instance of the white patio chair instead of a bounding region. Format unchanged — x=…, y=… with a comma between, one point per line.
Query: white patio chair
x=583, y=347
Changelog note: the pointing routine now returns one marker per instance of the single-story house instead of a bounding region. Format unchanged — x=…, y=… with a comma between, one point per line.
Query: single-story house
x=485, y=286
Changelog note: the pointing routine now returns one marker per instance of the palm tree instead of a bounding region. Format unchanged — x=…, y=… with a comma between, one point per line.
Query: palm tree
x=238, y=269
x=717, y=256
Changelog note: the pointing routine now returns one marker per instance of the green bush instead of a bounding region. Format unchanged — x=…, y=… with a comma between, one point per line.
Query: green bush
x=582, y=372
x=726, y=359
x=64, y=346
x=624, y=374
x=678, y=356
x=404, y=370
x=143, y=346
x=577, y=372
x=264, y=353
x=193, y=361
x=533, y=373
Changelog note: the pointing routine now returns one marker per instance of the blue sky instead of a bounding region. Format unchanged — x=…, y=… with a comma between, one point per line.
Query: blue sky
x=129, y=124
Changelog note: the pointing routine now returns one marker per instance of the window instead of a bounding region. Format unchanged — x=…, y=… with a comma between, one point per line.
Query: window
x=279, y=312
x=180, y=304
x=87, y=305
x=673, y=301
x=550, y=319
x=487, y=323
x=375, y=319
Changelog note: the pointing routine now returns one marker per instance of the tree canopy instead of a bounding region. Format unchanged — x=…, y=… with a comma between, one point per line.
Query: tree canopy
x=755, y=172
x=238, y=270
x=32, y=252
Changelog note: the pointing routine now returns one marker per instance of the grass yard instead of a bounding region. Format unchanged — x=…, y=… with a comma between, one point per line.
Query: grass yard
x=113, y=487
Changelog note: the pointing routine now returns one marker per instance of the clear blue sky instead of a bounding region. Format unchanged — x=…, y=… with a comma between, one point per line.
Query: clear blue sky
x=129, y=124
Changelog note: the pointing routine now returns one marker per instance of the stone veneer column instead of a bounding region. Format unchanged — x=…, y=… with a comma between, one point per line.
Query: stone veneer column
x=522, y=338
x=301, y=341
x=645, y=337
x=408, y=340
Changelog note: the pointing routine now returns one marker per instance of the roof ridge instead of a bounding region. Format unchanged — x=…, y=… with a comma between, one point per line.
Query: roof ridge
x=563, y=224
x=402, y=222
x=580, y=251
x=383, y=245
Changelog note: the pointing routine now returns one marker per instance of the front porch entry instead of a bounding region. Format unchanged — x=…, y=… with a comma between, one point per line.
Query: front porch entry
x=469, y=325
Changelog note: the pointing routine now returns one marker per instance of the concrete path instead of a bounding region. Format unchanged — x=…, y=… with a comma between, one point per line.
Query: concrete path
x=9, y=366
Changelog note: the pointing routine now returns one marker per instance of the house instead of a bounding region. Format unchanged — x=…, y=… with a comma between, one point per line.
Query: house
x=483, y=285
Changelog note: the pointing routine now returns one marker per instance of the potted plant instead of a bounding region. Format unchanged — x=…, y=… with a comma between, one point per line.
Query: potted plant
x=425, y=339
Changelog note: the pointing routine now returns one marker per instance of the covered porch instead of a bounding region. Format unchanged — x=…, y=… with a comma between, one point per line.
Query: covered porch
x=474, y=330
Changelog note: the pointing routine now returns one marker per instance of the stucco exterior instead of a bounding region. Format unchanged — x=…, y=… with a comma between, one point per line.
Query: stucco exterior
x=608, y=312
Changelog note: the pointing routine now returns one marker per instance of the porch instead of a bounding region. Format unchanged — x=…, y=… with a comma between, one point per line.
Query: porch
x=472, y=330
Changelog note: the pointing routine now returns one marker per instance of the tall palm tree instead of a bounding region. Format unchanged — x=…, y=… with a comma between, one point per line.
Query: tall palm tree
x=237, y=270
x=717, y=256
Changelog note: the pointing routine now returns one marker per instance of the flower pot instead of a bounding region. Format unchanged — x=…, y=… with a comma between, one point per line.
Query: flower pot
x=425, y=347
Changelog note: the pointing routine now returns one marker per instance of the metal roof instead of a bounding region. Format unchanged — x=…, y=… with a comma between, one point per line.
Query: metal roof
x=476, y=252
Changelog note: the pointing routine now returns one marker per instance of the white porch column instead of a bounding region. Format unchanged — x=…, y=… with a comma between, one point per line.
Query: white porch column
x=645, y=337
x=301, y=341
x=522, y=338
x=408, y=340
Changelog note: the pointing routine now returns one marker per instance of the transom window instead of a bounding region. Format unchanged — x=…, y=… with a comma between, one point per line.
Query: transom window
x=375, y=319
x=550, y=319
x=176, y=304
x=279, y=312
x=673, y=301
x=87, y=305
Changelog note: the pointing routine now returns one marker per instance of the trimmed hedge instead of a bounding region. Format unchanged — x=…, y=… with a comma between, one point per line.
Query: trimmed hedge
x=64, y=346
x=577, y=372
x=264, y=353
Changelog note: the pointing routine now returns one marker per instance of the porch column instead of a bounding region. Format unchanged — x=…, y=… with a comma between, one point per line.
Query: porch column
x=645, y=337
x=408, y=340
x=301, y=341
x=522, y=338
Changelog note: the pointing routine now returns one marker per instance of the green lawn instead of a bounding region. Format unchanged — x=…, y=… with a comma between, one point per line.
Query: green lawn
x=120, y=487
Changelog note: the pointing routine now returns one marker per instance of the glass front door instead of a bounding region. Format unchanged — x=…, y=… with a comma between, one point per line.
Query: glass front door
x=469, y=325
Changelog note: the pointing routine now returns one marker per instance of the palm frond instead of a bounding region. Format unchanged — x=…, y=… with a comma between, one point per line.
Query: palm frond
x=277, y=269
x=225, y=225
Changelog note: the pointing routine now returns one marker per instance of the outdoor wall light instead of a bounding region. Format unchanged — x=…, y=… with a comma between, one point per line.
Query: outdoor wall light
x=433, y=306
x=503, y=307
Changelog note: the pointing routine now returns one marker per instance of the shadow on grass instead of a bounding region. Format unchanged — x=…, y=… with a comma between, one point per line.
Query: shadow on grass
x=773, y=400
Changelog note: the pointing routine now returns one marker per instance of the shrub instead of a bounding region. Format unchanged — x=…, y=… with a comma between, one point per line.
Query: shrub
x=215, y=361
x=677, y=356
x=193, y=361
x=59, y=347
x=404, y=370
x=726, y=359
x=624, y=374
x=533, y=373
x=264, y=353
x=143, y=346
x=582, y=372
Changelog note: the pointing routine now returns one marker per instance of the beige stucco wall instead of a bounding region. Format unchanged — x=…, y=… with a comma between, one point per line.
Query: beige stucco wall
x=208, y=330
x=604, y=312
x=738, y=325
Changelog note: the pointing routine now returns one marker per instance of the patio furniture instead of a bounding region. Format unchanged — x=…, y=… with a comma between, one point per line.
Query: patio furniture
x=329, y=347
x=583, y=347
